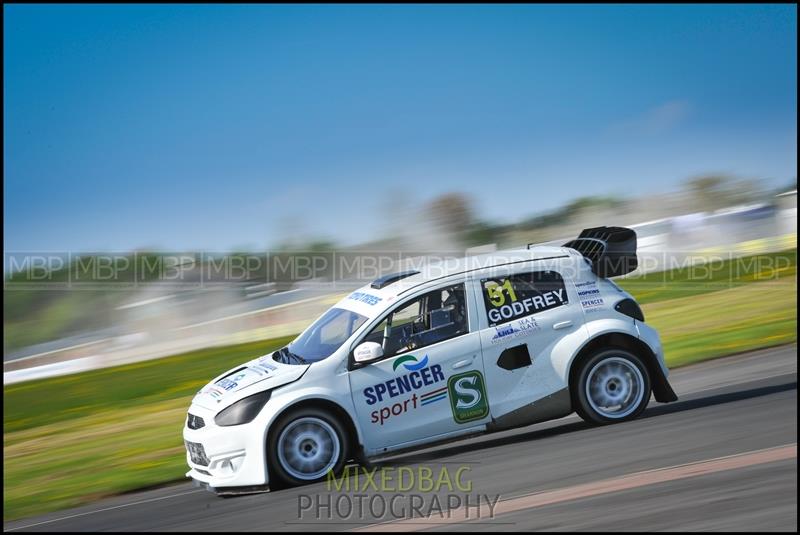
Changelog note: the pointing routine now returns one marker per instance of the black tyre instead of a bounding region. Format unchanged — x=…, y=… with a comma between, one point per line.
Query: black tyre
x=613, y=385
x=304, y=445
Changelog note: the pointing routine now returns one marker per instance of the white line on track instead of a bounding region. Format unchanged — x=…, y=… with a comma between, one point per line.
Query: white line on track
x=105, y=509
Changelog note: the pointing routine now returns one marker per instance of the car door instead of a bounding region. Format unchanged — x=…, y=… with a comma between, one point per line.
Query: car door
x=524, y=313
x=430, y=381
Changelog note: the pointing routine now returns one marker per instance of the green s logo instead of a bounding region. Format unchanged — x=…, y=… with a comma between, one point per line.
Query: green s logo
x=468, y=397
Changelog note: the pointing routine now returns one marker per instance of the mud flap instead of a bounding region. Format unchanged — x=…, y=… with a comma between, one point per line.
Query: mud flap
x=662, y=390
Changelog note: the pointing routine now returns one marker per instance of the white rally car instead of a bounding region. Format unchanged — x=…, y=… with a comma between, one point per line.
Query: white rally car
x=487, y=343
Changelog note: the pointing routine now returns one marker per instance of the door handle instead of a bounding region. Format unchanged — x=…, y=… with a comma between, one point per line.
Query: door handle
x=462, y=363
x=562, y=325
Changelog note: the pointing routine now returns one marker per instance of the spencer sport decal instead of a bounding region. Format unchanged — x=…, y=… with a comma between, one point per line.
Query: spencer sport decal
x=405, y=359
x=404, y=384
x=380, y=416
x=419, y=377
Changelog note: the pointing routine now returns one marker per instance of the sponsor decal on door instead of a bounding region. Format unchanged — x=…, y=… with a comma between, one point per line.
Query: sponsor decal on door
x=468, y=396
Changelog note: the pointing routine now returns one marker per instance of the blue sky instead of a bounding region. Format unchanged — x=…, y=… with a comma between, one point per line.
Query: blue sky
x=214, y=127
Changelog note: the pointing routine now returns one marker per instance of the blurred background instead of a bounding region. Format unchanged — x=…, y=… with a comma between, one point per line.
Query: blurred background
x=71, y=311
x=186, y=187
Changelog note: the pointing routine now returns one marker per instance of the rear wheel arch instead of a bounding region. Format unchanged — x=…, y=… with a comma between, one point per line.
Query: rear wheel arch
x=661, y=388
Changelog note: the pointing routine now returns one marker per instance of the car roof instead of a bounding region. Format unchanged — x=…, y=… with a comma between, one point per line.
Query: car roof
x=369, y=300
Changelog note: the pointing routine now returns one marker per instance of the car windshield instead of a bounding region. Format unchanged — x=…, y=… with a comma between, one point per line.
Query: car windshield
x=325, y=335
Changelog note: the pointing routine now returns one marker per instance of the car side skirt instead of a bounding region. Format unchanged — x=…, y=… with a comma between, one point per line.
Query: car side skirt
x=549, y=407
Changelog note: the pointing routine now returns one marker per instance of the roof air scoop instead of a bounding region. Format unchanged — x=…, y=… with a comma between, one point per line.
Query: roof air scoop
x=386, y=280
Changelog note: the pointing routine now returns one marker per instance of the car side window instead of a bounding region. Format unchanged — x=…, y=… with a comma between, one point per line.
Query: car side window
x=514, y=296
x=435, y=316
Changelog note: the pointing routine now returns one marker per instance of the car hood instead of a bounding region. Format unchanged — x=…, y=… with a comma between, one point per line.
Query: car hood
x=236, y=383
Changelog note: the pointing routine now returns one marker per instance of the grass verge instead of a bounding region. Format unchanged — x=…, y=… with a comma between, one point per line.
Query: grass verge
x=69, y=440
x=716, y=275
x=45, y=401
x=722, y=323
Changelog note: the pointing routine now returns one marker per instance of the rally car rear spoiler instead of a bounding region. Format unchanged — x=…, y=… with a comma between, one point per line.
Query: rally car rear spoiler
x=610, y=250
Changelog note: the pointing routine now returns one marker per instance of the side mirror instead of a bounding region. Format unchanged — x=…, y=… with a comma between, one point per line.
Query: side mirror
x=367, y=352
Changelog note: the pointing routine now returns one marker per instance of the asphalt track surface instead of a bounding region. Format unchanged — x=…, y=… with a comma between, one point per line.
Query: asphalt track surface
x=724, y=457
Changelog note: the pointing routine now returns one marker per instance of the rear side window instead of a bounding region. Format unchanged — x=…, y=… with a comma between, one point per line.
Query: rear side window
x=516, y=296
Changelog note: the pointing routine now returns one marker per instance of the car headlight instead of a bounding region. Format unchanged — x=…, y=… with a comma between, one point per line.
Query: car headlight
x=243, y=411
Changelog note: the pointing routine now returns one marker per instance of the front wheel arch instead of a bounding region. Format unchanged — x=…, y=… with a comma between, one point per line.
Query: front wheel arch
x=326, y=405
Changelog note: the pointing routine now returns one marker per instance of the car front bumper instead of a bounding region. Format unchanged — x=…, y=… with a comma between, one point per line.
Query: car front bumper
x=220, y=457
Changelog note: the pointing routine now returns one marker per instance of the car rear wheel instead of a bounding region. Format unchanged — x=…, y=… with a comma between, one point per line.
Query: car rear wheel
x=305, y=446
x=613, y=386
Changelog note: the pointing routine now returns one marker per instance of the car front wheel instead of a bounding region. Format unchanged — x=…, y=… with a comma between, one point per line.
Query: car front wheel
x=613, y=386
x=306, y=445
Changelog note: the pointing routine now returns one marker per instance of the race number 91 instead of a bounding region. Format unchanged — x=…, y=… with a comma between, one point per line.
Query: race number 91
x=497, y=292
x=522, y=294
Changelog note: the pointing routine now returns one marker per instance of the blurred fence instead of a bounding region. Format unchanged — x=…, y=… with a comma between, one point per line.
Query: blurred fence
x=168, y=320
